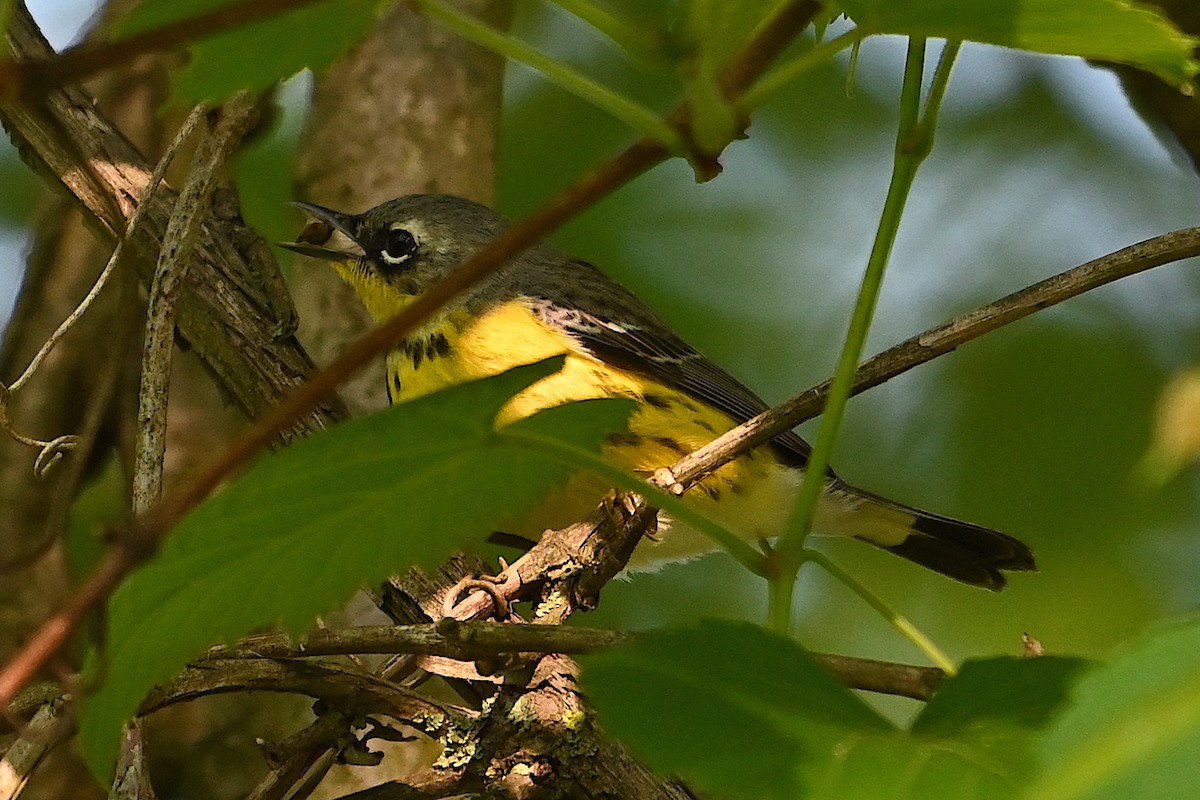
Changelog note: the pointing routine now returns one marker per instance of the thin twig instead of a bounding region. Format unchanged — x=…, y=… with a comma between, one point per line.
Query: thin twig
x=883, y=677
x=174, y=259
x=50, y=726
x=463, y=641
x=234, y=286
x=1155, y=252
x=302, y=756
x=470, y=641
x=52, y=450
x=357, y=692
x=30, y=79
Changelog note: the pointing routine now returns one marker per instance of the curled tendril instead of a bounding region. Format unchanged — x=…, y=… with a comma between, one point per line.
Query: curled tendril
x=52, y=452
x=470, y=584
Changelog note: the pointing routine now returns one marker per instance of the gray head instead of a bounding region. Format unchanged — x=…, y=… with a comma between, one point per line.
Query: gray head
x=398, y=249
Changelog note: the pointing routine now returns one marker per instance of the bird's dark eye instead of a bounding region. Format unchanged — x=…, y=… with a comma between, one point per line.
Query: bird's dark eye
x=399, y=246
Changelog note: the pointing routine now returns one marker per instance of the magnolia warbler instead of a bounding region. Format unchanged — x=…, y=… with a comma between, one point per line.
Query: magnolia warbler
x=546, y=303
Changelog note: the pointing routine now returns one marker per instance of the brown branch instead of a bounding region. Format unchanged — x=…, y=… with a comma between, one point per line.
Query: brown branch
x=464, y=641
x=351, y=690
x=1164, y=249
x=174, y=261
x=472, y=641
x=883, y=677
x=30, y=80
x=50, y=726
x=132, y=777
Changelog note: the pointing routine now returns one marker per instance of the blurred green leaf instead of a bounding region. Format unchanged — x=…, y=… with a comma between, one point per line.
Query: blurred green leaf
x=257, y=55
x=103, y=502
x=304, y=528
x=6, y=9
x=263, y=172
x=718, y=28
x=1108, y=30
x=20, y=186
x=634, y=29
x=730, y=707
x=1175, y=443
x=1133, y=729
x=1021, y=691
x=906, y=767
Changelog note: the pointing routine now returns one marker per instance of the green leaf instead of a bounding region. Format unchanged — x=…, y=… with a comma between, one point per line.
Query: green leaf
x=1022, y=691
x=730, y=707
x=1108, y=30
x=304, y=528
x=20, y=186
x=1134, y=727
x=907, y=767
x=740, y=713
x=719, y=28
x=974, y=740
x=103, y=503
x=258, y=55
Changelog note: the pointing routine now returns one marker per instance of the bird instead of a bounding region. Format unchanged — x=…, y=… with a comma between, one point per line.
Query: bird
x=546, y=303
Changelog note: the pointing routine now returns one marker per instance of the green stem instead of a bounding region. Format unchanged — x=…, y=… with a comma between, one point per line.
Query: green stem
x=579, y=457
x=637, y=116
x=642, y=44
x=898, y=621
x=787, y=72
x=913, y=142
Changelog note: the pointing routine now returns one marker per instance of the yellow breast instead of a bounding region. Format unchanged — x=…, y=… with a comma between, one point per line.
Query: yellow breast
x=667, y=424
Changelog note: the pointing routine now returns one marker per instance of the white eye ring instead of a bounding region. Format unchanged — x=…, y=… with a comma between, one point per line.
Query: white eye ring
x=399, y=246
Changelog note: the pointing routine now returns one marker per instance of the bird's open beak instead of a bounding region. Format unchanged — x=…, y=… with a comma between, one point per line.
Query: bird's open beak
x=311, y=240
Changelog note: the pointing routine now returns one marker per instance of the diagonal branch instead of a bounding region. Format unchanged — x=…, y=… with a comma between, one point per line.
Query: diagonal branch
x=472, y=641
x=31, y=79
x=1164, y=249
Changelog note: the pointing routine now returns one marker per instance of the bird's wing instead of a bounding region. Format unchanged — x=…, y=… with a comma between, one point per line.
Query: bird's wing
x=642, y=343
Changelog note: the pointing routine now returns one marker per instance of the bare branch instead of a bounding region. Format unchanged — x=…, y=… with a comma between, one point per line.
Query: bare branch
x=174, y=260
x=352, y=690
x=132, y=779
x=29, y=80
x=52, y=451
x=1164, y=249
x=50, y=726
x=883, y=677
x=465, y=641
x=229, y=294
x=471, y=641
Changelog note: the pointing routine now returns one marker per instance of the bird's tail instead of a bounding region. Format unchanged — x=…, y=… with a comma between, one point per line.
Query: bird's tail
x=968, y=553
